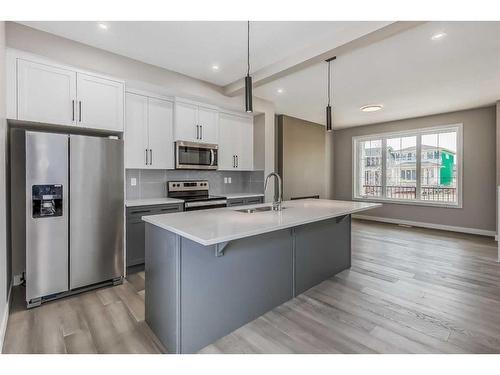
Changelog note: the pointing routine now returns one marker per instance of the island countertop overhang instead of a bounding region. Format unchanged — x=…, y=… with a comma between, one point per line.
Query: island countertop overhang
x=214, y=226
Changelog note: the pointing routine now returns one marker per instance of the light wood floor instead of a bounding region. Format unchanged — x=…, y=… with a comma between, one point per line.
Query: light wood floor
x=409, y=291
x=108, y=320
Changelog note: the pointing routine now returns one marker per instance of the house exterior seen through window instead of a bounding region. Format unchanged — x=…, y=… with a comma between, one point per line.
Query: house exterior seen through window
x=419, y=166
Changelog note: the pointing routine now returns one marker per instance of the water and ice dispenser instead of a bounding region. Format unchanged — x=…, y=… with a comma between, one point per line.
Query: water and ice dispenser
x=47, y=200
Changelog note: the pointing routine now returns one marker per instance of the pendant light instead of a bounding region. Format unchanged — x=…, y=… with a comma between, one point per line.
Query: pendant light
x=248, y=79
x=329, y=107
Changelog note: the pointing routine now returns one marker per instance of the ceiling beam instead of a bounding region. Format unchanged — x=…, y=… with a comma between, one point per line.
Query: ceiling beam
x=289, y=66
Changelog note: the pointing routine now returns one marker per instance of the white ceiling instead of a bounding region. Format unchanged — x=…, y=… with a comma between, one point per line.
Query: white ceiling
x=409, y=74
x=192, y=47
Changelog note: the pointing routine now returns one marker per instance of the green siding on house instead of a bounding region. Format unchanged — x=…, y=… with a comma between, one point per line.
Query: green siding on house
x=447, y=163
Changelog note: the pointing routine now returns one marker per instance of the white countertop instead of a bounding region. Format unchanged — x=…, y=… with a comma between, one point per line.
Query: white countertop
x=241, y=195
x=151, y=201
x=209, y=227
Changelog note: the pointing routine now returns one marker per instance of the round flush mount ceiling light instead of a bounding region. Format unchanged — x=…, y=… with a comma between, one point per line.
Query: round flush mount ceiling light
x=280, y=91
x=102, y=26
x=215, y=67
x=438, y=36
x=371, y=108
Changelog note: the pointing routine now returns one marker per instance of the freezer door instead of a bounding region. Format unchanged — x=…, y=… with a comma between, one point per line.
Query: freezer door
x=97, y=210
x=46, y=214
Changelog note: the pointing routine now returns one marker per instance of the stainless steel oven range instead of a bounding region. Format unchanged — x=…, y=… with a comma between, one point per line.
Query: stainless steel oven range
x=195, y=195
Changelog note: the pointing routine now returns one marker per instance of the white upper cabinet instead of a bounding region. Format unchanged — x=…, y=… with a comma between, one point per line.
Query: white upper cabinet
x=148, y=132
x=161, y=140
x=195, y=123
x=100, y=102
x=227, y=144
x=235, y=142
x=136, y=131
x=208, y=121
x=244, y=156
x=58, y=95
x=186, y=122
x=45, y=93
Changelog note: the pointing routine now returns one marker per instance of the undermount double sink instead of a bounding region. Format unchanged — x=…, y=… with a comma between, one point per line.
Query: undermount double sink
x=258, y=209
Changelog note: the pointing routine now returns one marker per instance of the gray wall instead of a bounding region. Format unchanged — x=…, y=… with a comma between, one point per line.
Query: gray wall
x=4, y=276
x=479, y=155
x=151, y=183
x=302, y=157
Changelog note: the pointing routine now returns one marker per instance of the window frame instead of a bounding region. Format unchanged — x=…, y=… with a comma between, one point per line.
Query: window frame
x=458, y=128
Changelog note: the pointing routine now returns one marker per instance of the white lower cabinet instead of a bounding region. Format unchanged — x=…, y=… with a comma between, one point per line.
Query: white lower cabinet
x=235, y=142
x=148, y=132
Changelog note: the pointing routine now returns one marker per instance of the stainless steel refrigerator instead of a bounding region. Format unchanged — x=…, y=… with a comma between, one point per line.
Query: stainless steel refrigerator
x=67, y=204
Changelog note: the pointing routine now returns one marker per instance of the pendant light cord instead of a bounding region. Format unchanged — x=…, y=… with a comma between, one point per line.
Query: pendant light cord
x=248, y=48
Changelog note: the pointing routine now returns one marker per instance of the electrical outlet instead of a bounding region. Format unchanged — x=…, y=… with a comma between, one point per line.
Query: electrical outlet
x=133, y=181
x=229, y=179
x=225, y=180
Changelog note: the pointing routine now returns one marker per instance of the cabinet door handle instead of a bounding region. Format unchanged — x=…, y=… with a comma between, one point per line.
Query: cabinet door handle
x=201, y=131
x=146, y=156
x=150, y=157
x=234, y=162
x=197, y=131
x=73, y=110
x=80, y=111
x=237, y=161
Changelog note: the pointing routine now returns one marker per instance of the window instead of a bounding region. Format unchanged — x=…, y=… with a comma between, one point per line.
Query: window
x=421, y=166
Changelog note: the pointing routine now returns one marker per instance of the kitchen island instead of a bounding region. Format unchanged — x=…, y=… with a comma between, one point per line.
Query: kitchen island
x=209, y=272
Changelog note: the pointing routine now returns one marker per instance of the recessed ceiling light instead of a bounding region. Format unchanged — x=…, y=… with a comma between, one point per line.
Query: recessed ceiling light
x=371, y=108
x=280, y=91
x=438, y=36
x=215, y=67
x=103, y=26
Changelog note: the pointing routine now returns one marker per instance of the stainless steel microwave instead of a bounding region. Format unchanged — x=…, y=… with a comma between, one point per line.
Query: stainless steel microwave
x=193, y=155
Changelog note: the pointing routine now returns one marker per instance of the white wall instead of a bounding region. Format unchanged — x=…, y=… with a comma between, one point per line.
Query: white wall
x=138, y=75
x=4, y=282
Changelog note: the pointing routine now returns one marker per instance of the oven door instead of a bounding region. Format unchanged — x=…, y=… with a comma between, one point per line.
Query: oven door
x=204, y=205
x=191, y=155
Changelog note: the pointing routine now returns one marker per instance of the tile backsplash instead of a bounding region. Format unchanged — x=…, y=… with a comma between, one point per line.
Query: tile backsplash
x=151, y=183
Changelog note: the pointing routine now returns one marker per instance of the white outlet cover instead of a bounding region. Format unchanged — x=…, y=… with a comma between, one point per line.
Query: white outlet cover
x=229, y=178
x=225, y=180
x=133, y=181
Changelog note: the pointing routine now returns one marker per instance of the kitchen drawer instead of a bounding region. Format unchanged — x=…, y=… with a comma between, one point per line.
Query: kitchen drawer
x=235, y=202
x=135, y=213
x=254, y=200
x=244, y=201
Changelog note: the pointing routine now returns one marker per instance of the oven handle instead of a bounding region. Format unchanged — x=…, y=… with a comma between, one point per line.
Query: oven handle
x=205, y=203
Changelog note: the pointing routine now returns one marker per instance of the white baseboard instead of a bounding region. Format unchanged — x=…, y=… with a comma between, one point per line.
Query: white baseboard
x=5, y=318
x=450, y=228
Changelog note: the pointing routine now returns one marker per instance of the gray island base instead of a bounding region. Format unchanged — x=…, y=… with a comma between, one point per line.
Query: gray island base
x=196, y=294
